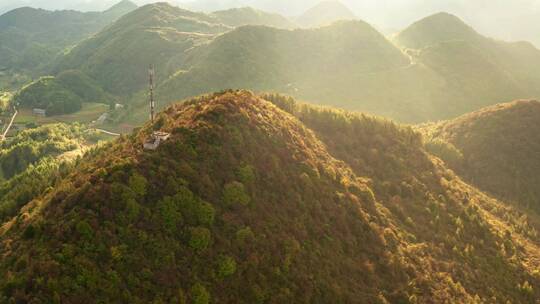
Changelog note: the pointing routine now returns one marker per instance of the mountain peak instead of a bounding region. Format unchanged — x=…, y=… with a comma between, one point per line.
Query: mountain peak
x=439, y=27
x=324, y=13
x=124, y=5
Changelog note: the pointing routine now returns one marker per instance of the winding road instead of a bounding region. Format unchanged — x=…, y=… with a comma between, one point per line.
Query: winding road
x=107, y=132
x=9, y=126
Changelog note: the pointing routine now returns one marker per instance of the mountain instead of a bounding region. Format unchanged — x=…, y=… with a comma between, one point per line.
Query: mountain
x=246, y=203
x=158, y=34
x=439, y=68
x=441, y=27
x=32, y=38
x=343, y=65
x=248, y=16
x=497, y=149
x=325, y=13
x=478, y=71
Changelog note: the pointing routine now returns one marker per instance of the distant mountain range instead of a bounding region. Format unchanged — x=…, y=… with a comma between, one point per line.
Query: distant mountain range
x=438, y=68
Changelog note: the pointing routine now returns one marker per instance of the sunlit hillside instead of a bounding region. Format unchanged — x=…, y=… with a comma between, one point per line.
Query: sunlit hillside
x=248, y=203
x=32, y=38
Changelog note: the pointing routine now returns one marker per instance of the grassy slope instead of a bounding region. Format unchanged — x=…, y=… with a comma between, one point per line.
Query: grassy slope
x=247, y=203
x=499, y=147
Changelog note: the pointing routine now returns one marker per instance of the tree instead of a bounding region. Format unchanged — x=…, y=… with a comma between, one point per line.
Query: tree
x=200, y=238
x=199, y=294
x=235, y=194
x=226, y=266
x=138, y=184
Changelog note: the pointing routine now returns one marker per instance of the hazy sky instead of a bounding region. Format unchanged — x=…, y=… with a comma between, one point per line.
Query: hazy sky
x=505, y=19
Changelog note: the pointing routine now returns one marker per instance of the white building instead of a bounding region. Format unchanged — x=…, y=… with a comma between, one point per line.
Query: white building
x=155, y=140
x=39, y=112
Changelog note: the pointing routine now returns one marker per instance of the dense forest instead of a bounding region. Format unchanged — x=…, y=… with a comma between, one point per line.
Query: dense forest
x=31, y=161
x=63, y=94
x=33, y=38
x=250, y=202
x=495, y=148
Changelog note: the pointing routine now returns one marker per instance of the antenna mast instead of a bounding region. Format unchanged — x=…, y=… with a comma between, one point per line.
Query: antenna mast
x=151, y=74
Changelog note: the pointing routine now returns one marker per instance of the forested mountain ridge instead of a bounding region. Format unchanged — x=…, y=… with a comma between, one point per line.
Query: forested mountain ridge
x=156, y=34
x=252, y=202
x=455, y=70
x=495, y=148
x=340, y=64
x=32, y=38
x=439, y=68
x=478, y=71
x=434, y=29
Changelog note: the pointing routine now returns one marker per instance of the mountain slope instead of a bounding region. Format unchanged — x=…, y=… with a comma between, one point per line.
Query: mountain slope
x=248, y=16
x=156, y=34
x=434, y=29
x=33, y=37
x=347, y=64
x=325, y=13
x=479, y=71
x=159, y=34
x=498, y=148
x=248, y=204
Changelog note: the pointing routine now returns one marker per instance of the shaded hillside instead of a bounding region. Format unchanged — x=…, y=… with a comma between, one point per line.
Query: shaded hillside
x=31, y=38
x=325, y=13
x=248, y=204
x=478, y=71
x=496, y=148
x=248, y=16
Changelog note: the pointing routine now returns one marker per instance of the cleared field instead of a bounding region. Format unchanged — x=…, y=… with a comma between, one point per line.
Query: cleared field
x=88, y=113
